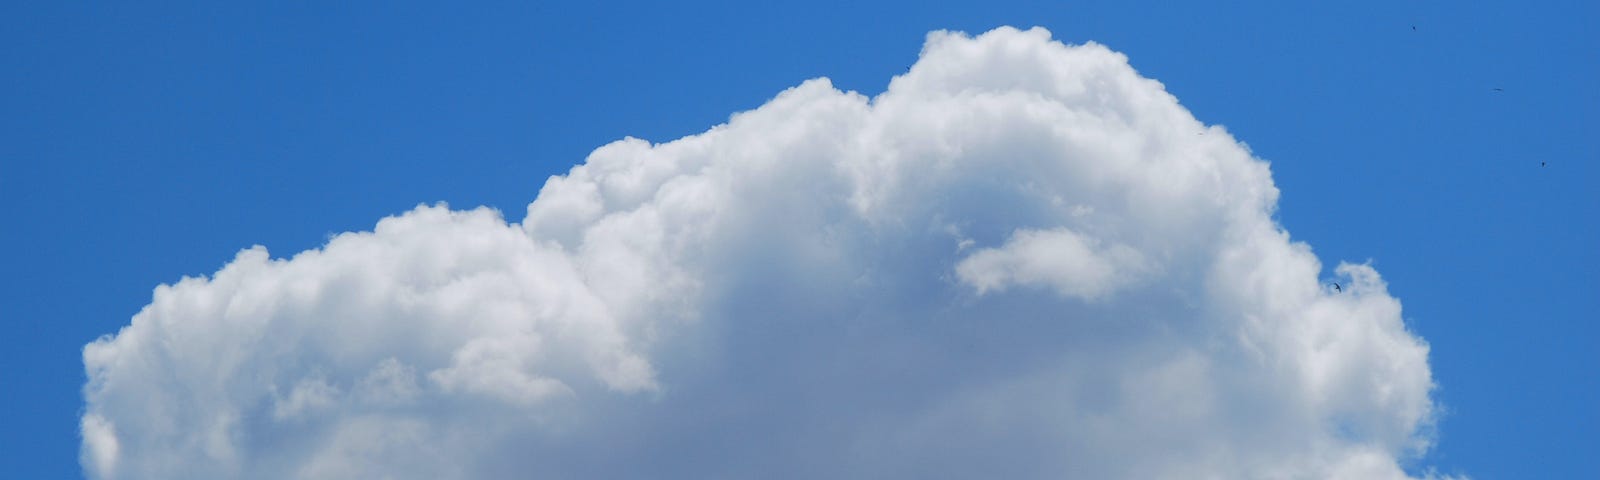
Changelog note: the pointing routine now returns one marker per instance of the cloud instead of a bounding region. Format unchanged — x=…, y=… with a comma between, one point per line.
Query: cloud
x=1070, y=263
x=1019, y=261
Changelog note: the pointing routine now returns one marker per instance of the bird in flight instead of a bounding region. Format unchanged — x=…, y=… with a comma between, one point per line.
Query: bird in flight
x=1413, y=28
x=1498, y=89
x=1337, y=288
x=1541, y=164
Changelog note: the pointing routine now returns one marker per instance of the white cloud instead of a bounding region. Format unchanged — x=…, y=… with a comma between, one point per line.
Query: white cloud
x=100, y=447
x=1070, y=263
x=1019, y=261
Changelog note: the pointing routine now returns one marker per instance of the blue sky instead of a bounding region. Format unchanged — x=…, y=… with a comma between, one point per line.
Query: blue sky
x=141, y=144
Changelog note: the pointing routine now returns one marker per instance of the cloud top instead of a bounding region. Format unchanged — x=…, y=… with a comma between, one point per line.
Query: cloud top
x=1021, y=260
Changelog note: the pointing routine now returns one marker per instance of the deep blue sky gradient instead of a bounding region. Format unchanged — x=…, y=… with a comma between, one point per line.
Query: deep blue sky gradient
x=142, y=143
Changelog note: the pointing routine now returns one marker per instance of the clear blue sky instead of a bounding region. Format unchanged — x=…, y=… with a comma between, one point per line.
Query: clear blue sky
x=140, y=143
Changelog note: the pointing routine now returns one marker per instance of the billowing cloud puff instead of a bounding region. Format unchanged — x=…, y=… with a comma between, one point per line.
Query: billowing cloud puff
x=1022, y=260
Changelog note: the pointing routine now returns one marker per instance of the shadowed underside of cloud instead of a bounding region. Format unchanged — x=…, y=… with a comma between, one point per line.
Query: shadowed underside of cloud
x=1020, y=261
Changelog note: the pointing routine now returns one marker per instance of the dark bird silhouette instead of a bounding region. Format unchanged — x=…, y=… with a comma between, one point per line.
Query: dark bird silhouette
x=1413, y=28
x=1497, y=89
x=1337, y=288
x=1541, y=164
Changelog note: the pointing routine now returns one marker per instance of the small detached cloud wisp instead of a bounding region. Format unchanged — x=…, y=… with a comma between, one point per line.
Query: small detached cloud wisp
x=1019, y=261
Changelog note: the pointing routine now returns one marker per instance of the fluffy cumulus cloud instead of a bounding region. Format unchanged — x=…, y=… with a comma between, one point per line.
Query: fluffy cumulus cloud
x=1022, y=260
